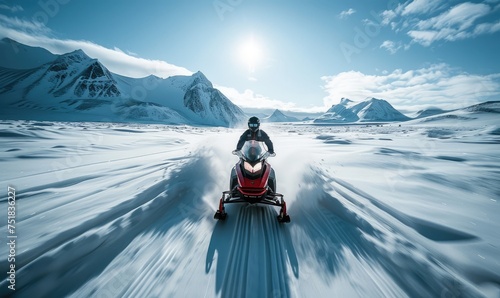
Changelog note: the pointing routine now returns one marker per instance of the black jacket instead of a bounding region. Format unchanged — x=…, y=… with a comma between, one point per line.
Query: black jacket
x=259, y=135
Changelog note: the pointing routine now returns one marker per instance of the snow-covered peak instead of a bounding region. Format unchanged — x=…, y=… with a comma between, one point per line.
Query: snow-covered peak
x=209, y=106
x=187, y=82
x=73, y=62
x=376, y=109
x=278, y=113
x=344, y=104
x=431, y=111
x=153, y=77
x=339, y=113
x=371, y=109
x=371, y=101
x=278, y=116
x=70, y=76
x=19, y=56
x=77, y=56
x=77, y=67
x=199, y=78
x=345, y=101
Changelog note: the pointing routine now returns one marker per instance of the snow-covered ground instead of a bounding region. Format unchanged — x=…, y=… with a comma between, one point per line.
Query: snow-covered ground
x=124, y=210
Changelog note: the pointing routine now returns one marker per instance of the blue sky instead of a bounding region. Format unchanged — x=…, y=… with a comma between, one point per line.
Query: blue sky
x=293, y=55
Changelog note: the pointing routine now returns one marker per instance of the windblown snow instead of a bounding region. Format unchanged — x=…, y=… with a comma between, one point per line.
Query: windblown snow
x=126, y=210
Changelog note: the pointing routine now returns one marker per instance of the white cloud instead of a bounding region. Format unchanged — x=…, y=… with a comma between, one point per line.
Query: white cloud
x=391, y=46
x=424, y=38
x=388, y=16
x=436, y=85
x=456, y=23
x=344, y=14
x=486, y=28
x=13, y=9
x=420, y=6
x=17, y=24
x=427, y=37
x=132, y=53
x=461, y=17
x=250, y=99
x=117, y=61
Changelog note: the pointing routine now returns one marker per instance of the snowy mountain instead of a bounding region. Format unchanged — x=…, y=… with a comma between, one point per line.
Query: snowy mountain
x=486, y=111
x=339, y=113
x=20, y=56
x=74, y=86
x=429, y=112
x=278, y=116
x=264, y=112
x=485, y=107
x=370, y=110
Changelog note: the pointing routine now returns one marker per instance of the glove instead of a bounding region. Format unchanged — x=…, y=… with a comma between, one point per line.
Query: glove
x=272, y=154
x=235, y=152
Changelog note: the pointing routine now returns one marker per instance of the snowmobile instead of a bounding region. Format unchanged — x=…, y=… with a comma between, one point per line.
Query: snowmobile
x=253, y=181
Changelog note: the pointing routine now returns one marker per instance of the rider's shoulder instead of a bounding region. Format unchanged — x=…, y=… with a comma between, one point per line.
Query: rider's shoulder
x=263, y=132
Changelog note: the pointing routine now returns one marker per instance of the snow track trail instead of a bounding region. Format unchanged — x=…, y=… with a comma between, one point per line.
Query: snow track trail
x=256, y=260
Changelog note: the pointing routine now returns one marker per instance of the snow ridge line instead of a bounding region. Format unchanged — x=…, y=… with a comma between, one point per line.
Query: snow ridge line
x=330, y=236
x=430, y=230
x=140, y=199
x=104, y=162
x=410, y=265
x=162, y=266
x=92, y=191
x=257, y=248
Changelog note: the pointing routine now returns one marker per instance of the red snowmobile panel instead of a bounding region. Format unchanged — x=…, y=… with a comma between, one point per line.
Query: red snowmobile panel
x=253, y=186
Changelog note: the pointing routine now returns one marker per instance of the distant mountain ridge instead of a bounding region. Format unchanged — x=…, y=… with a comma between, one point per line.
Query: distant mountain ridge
x=278, y=116
x=19, y=56
x=84, y=89
x=369, y=110
x=429, y=112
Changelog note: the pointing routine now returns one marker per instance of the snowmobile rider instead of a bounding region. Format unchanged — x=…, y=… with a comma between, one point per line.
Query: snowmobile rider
x=254, y=133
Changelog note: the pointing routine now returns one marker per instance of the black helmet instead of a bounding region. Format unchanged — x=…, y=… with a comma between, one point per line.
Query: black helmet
x=253, y=123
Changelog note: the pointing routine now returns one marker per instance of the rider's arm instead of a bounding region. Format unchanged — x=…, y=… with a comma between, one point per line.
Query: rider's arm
x=241, y=141
x=268, y=142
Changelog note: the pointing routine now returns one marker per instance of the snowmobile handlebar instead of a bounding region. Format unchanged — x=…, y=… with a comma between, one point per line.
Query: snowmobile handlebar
x=237, y=153
x=240, y=155
x=267, y=154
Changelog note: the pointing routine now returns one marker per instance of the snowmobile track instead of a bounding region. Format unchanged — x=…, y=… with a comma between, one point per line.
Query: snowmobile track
x=256, y=263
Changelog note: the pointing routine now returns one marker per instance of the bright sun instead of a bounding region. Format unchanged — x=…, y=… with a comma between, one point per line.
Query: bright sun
x=250, y=53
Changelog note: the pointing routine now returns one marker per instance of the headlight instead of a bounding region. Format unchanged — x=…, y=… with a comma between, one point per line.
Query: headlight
x=253, y=169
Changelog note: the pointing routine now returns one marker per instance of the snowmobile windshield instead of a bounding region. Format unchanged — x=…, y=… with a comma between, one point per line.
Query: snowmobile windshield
x=253, y=151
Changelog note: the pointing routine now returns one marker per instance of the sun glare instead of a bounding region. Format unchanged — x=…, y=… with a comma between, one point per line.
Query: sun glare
x=251, y=53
